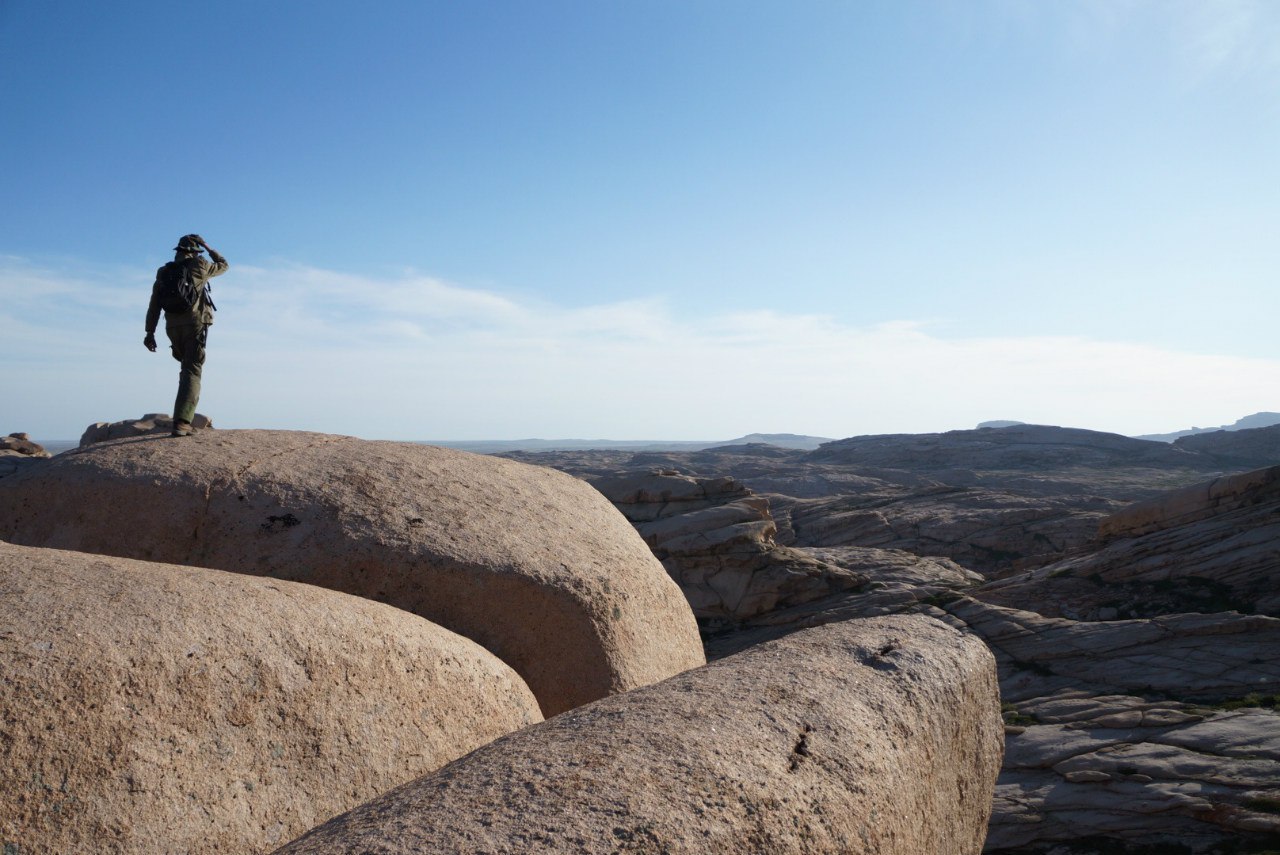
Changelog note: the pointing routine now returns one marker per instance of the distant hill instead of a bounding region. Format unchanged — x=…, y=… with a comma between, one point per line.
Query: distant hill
x=1032, y=448
x=1257, y=420
x=501, y=446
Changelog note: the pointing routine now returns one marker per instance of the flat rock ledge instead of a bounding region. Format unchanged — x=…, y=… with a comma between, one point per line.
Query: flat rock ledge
x=876, y=736
x=152, y=708
x=531, y=563
x=1149, y=772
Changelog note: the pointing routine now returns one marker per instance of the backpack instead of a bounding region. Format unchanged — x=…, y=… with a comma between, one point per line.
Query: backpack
x=179, y=291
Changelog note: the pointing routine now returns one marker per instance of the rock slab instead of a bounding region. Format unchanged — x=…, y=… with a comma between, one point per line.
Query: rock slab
x=716, y=539
x=152, y=708
x=877, y=736
x=533, y=564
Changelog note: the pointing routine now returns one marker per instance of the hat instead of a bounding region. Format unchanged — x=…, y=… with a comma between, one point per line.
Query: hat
x=188, y=243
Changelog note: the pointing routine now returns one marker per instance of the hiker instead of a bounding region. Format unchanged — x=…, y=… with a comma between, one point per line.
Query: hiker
x=182, y=290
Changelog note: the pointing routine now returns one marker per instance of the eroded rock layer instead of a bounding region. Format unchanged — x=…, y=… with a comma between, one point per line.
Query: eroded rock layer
x=716, y=539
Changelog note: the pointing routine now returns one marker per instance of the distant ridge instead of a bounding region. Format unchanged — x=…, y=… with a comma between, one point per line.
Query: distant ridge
x=500, y=446
x=1257, y=420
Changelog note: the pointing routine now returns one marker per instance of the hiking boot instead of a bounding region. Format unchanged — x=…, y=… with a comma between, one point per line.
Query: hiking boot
x=181, y=428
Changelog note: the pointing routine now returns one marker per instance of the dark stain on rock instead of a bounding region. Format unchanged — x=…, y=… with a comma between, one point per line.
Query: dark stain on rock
x=286, y=521
x=801, y=749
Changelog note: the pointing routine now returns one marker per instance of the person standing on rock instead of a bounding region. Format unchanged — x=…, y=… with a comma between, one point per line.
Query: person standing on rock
x=182, y=291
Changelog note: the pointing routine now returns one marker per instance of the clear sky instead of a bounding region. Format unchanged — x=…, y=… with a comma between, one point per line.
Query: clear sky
x=647, y=219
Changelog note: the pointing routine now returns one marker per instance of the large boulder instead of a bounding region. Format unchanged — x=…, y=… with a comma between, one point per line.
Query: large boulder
x=531, y=563
x=866, y=736
x=20, y=444
x=18, y=451
x=152, y=708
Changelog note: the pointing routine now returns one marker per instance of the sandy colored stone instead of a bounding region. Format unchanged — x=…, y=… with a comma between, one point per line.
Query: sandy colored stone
x=878, y=736
x=21, y=444
x=531, y=563
x=148, y=708
x=150, y=424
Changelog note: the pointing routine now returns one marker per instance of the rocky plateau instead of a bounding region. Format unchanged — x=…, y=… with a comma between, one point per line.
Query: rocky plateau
x=1124, y=592
x=1129, y=589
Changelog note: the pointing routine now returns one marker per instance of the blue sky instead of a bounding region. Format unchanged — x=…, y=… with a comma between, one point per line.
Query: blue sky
x=647, y=219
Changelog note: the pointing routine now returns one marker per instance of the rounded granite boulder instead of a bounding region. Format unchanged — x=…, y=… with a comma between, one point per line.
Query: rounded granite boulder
x=152, y=708
x=531, y=563
x=869, y=736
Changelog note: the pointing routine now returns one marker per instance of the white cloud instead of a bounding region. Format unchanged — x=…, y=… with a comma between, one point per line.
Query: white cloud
x=411, y=357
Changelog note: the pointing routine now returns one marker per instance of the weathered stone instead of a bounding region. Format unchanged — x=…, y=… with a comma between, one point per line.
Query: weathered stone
x=990, y=531
x=716, y=539
x=1184, y=783
x=17, y=452
x=1006, y=502
x=867, y=736
x=152, y=708
x=20, y=443
x=151, y=423
x=1187, y=656
x=1210, y=547
x=1194, y=503
x=533, y=564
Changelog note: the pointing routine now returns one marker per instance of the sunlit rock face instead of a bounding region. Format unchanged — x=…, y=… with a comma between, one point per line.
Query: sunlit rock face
x=155, y=708
x=533, y=564
x=880, y=736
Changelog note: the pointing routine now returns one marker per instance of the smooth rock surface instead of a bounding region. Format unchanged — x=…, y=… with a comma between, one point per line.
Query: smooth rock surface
x=531, y=563
x=879, y=736
x=152, y=708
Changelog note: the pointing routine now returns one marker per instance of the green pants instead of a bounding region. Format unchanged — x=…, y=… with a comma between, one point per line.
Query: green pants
x=187, y=343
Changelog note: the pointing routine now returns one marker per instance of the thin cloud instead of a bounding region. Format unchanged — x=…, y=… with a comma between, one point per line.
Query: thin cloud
x=1230, y=35
x=412, y=357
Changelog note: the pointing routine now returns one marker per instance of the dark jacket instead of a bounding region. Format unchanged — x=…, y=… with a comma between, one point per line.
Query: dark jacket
x=202, y=311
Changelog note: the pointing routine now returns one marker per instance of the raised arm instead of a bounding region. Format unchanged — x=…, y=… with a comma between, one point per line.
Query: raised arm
x=219, y=265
